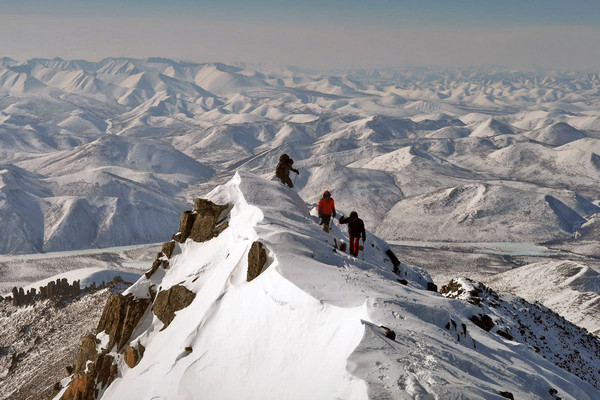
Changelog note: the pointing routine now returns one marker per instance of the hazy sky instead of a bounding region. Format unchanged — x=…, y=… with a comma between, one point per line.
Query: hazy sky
x=368, y=33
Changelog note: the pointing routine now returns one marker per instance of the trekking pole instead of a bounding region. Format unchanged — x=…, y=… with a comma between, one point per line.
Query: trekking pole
x=295, y=179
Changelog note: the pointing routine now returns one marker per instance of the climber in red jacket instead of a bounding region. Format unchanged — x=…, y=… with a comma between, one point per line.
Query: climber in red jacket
x=326, y=209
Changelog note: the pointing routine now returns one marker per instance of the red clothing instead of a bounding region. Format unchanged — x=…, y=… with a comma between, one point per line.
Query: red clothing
x=326, y=206
x=354, y=245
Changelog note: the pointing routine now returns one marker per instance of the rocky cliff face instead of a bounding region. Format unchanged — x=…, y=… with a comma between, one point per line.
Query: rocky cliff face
x=96, y=366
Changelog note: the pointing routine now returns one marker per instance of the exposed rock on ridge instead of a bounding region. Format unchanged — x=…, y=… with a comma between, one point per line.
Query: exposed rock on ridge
x=257, y=258
x=94, y=370
x=169, y=301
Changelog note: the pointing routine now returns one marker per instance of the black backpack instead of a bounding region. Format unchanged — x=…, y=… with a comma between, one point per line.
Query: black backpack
x=279, y=171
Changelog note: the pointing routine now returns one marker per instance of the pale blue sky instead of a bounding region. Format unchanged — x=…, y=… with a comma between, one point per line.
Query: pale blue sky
x=334, y=33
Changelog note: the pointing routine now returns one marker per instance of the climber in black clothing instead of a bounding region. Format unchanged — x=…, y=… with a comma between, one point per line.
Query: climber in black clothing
x=283, y=170
x=356, y=229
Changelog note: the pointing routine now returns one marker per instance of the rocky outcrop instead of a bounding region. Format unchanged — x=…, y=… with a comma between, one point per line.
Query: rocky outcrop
x=132, y=356
x=209, y=220
x=167, y=249
x=257, y=258
x=58, y=291
x=120, y=316
x=186, y=222
x=162, y=258
x=93, y=371
x=167, y=302
x=515, y=319
x=203, y=223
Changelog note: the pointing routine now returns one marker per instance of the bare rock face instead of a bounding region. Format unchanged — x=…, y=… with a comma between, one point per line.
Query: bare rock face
x=93, y=371
x=209, y=222
x=168, y=301
x=167, y=248
x=87, y=352
x=185, y=226
x=120, y=316
x=202, y=224
x=257, y=258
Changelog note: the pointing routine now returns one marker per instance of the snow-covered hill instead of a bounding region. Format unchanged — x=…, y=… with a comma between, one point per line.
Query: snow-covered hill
x=569, y=288
x=121, y=145
x=252, y=300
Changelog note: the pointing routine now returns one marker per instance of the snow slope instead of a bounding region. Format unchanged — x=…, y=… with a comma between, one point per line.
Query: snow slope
x=308, y=326
x=569, y=288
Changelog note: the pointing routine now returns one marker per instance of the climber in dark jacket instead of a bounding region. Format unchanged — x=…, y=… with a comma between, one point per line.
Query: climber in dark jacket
x=356, y=229
x=282, y=172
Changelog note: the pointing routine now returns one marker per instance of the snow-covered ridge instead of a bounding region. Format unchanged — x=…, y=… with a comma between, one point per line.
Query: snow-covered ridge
x=307, y=326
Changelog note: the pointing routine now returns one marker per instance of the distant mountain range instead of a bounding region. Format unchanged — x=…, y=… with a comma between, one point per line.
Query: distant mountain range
x=107, y=153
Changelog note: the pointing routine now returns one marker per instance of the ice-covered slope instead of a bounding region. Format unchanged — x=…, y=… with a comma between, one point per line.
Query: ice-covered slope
x=300, y=320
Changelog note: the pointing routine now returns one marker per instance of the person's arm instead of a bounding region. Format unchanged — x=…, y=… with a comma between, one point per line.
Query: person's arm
x=295, y=170
x=333, y=211
x=343, y=220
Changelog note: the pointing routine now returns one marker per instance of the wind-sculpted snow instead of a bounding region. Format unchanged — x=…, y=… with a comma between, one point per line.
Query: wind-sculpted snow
x=309, y=325
x=144, y=134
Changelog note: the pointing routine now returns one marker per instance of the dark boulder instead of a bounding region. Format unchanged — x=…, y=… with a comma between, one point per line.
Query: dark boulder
x=167, y=302
x=504, y=334
x=432, y=287
x=132, y=356
x=485, y=322
x=257, y=258
x=507, y=395
x=388, y=333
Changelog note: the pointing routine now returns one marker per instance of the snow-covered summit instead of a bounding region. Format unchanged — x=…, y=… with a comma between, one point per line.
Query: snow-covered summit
x=267, y=307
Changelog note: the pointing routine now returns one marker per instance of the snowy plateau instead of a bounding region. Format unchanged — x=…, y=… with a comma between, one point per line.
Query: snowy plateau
x=479, y=175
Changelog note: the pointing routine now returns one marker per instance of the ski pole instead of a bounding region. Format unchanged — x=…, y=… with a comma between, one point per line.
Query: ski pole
x=295, y=179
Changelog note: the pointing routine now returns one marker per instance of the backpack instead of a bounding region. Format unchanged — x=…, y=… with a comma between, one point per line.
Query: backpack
x=279, y=171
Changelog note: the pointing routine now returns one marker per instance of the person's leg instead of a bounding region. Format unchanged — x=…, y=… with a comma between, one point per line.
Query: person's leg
x=325, y=218
x=288, y=181
x=354, y=245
